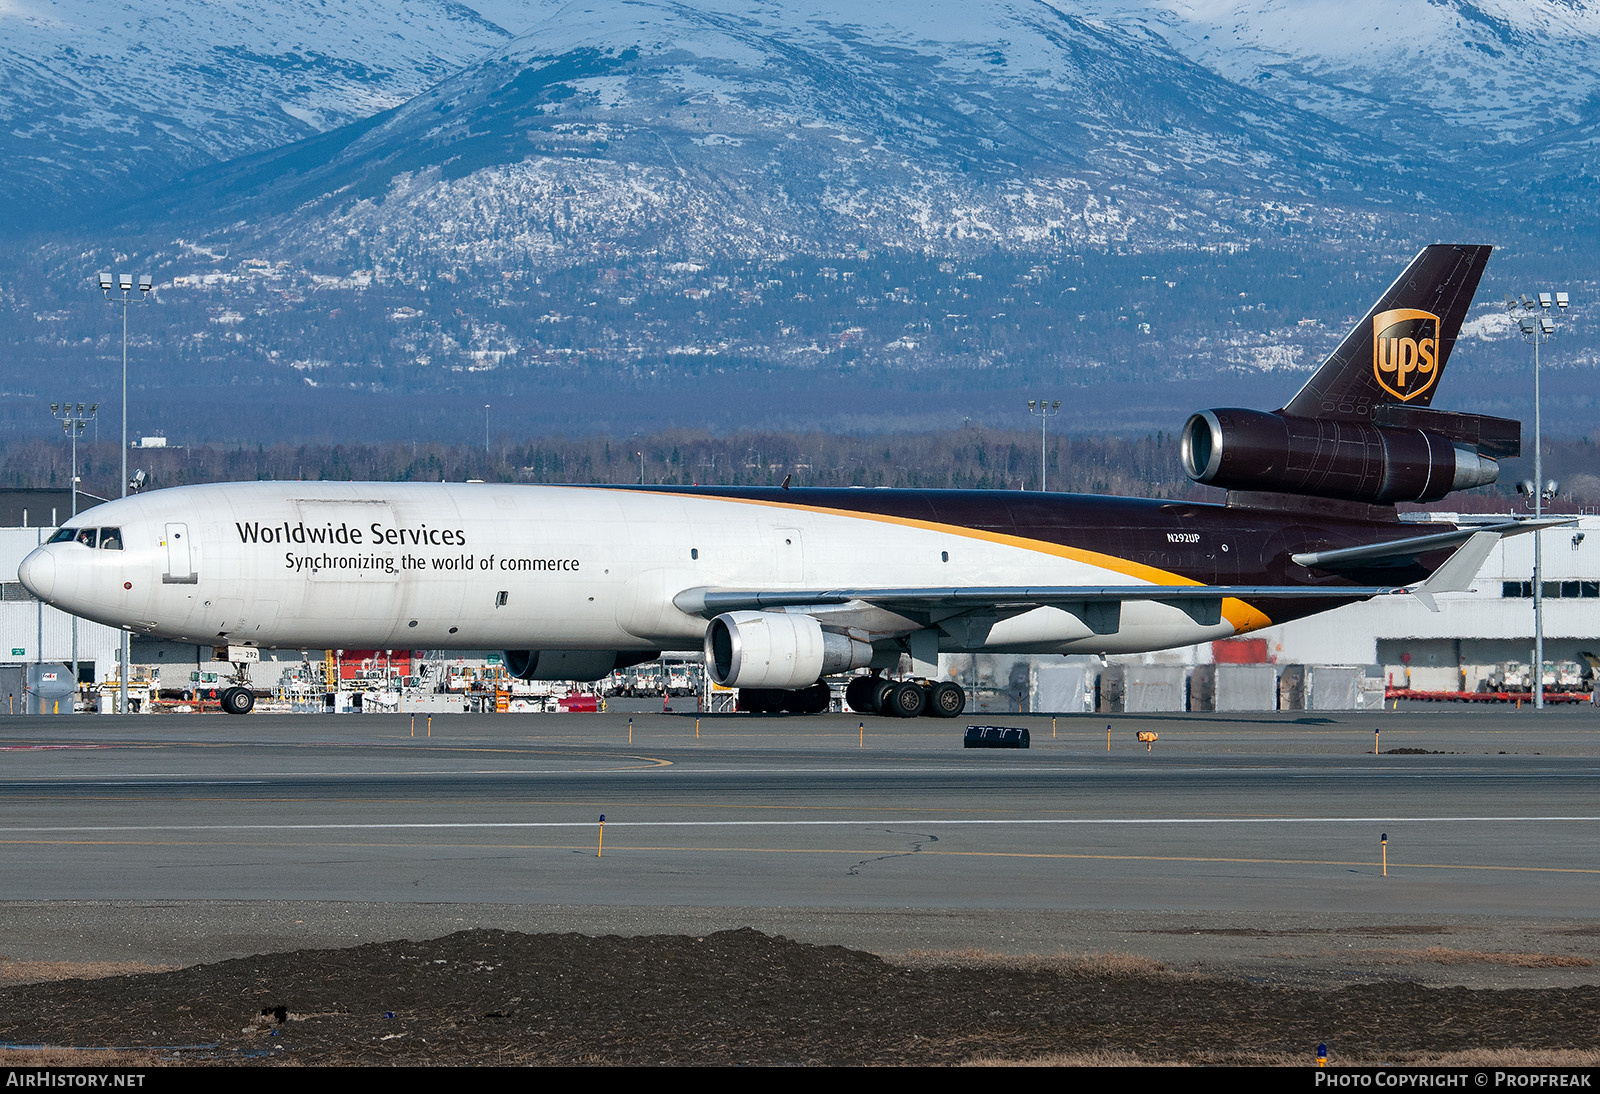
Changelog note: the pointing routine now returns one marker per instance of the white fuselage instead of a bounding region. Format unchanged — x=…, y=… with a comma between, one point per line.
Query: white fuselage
x=487, y=566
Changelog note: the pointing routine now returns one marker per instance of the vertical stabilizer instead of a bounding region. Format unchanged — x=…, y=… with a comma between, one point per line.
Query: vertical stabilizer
x=1398, y=350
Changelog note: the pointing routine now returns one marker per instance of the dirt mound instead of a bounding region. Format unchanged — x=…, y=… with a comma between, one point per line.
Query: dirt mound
x=744, y=997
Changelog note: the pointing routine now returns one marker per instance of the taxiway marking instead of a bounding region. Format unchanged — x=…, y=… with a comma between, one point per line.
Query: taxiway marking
x=836, y=823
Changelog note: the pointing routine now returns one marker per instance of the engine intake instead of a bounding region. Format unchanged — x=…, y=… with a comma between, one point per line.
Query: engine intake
x=572, y=664
x=778, y=650
x=1328, y=457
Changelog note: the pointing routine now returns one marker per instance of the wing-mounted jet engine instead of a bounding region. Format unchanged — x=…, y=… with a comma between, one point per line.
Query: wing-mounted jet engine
x=778, y=650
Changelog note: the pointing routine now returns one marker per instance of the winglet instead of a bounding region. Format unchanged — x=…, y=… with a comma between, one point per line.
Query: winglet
x=1458, y=571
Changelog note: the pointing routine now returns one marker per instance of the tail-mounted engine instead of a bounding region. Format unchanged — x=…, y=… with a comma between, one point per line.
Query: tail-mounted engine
x=1405, y=454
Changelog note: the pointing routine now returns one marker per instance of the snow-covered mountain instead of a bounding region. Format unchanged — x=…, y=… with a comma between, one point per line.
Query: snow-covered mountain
x=647, y=188
x=1307, y=97
x=1423, y=73
x=730, y=127
x=105, y=98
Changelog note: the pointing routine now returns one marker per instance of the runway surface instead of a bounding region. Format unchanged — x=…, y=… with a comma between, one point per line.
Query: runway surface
x=887, y=825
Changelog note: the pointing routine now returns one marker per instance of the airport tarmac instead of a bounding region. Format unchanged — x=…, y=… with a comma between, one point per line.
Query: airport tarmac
x=1245, y=842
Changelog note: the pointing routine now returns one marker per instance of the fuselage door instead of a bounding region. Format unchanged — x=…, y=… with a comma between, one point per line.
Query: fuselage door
x=180, y=562
x=791, y=556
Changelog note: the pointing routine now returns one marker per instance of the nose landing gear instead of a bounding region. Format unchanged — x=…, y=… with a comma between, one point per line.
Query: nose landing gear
x=237, y=700
x=240, y=698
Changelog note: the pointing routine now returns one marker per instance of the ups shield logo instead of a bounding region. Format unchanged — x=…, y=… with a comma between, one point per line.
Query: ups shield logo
x=1405, y=351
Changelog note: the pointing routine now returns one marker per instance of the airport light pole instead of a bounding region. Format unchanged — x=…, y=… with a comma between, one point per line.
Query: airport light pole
x=1044, y=409
x=1537, y=326
x=73, y=417
x=123, y=285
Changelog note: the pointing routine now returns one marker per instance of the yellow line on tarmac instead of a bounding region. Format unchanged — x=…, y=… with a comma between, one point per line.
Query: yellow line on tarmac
x=900, y=851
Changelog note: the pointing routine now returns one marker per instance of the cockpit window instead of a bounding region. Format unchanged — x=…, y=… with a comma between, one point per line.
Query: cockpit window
x=106, y=539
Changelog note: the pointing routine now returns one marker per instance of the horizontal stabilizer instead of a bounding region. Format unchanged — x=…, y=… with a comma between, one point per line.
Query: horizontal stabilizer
x=1408, y=551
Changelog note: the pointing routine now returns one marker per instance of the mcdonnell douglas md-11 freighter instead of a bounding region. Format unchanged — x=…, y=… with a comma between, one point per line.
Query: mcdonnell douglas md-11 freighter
x=783, y=588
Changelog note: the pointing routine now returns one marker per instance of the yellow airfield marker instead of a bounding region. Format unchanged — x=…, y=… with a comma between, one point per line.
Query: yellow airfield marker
x=1052, y=727
x=1384, y=839
x=861, y=727
x=601, y=848
x=630, y=731
x=413, y=725
x=430, y=725
x=697, y=729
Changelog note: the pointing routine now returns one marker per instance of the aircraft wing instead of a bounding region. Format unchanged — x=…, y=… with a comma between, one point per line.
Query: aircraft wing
x=710, y=602
x=1099, y=605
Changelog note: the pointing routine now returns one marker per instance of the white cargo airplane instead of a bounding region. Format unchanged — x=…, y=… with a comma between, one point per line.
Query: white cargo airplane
x=782, y=588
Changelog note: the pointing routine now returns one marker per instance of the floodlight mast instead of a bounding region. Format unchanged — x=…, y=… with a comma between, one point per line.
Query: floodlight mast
x=73, y=417
x=124, y=284
x=1044, y=408
x=1537, y=325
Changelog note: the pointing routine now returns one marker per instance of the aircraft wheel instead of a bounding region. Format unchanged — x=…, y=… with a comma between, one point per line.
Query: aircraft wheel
x=948, y=700
x=238, y=701
x=905, y=700
x=811, y=700
x=881, y=692
x=760, y=700
x=858, y=693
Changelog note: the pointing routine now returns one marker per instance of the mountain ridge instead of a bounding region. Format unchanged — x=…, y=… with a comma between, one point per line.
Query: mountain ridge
x=870, y=202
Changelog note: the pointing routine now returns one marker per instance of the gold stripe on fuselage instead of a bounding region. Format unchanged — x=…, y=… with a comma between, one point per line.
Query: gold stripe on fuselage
x=1243, y=616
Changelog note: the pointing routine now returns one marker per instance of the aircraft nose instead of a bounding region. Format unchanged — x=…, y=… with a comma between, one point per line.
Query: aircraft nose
x=38, y=573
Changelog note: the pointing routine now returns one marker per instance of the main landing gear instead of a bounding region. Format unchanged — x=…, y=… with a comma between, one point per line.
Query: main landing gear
x=905, y=698
x=865, y=695
x=811, y=700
